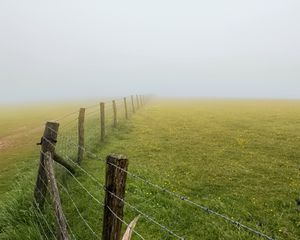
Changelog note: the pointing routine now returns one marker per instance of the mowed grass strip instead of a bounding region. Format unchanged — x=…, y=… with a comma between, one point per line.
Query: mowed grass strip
x=240, y=158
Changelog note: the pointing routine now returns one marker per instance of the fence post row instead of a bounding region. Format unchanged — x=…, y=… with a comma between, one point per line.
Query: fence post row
x=125, y=107
x=80, y=135
x=132, y=103
x=116, y=174
x=48, y=142
x=115, y=113
x=62, y=232
x=102, y=121
x=115, y=182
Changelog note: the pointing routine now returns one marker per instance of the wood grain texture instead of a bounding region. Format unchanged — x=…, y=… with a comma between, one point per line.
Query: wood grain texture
x=115, y=190
x=62, y=232
x=48, y=142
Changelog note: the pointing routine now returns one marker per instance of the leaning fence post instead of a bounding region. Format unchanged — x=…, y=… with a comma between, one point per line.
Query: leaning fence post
x=137, y=102
x=132, y=103
x=116, y=174
x=115, y=113
x=102, y=121
x=62, y=232
x=125, y=108
x=47, y=143
x=80, y=135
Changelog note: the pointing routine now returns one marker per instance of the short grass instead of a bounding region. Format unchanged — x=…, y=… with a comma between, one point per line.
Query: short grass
x=240, y=158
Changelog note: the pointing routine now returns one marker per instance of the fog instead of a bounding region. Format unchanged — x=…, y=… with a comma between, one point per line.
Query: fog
x=62, y=50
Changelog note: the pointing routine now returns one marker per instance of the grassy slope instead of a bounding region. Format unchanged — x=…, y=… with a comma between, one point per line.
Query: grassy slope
x=20, y=130
x=240, y=158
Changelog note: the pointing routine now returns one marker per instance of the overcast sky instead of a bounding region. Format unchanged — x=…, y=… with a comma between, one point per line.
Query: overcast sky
x=51, y=50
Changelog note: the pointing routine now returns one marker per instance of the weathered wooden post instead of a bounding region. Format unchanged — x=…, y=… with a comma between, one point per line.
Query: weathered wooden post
x=125, y=108
x=80, y=135
x=115, y=113
x=48, y=142
x=62, y=232
x=137, y=102
x=132, y=102
x=102, y=121
x=115, y=182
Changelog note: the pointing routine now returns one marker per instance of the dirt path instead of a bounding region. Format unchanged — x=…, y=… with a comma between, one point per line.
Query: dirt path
x=2, y=145
x=5, y=143
x=10, y=140
x=21, y=134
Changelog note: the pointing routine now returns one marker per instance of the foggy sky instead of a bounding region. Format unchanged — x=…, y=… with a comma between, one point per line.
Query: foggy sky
x=52, y=50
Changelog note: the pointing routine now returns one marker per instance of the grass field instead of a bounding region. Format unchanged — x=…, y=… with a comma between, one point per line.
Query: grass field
x=240, y=158
x=20, y=129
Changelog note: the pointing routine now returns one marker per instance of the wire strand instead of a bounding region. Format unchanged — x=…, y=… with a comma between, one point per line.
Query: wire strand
x=94, y=198
x=186, y=199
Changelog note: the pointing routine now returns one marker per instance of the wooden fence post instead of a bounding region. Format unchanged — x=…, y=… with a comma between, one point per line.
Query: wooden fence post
x=102, y=121
x=137, y=102
x=62, y=232
x=115, y=113
x=80, y=135
x=48, y=142
x=125, y=108
x=132, y=102
x=115, y=191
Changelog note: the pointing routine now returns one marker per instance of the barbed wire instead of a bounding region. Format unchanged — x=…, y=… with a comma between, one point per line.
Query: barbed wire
x=145, y=215
x=73, y=202
x=186, y=199
x=92, y=113
x=33, y=207
x=50, y=203
x=72, y=233
x=204, y=208
x=92, y=196
x=65, y=116
x=92, y=106
x=40, y=226
x=56, y=119
x=130, y=205
x=43, y=217
x=122, y=221
x=75, y=206
x=36, y=207
x=69, y=122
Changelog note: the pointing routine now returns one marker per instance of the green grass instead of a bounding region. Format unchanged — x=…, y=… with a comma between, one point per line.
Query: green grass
x=240, y=158
x=21, y=128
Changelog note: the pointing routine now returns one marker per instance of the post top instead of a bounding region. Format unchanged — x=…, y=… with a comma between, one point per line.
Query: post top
x=117, y=156
x=52, y=124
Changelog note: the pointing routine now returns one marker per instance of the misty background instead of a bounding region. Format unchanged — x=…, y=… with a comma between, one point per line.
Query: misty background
x=61, y=50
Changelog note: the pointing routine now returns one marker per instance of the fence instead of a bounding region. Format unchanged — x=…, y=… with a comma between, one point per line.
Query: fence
x=68, y=147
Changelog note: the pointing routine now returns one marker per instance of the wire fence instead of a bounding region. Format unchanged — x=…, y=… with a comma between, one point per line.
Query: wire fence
x=76, y=186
